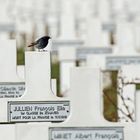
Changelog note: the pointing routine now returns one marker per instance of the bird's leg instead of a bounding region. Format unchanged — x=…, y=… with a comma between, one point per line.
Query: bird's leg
x=44, y=50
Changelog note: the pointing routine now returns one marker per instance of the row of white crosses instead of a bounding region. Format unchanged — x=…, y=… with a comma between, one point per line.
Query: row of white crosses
x=14, y=75
x=26, y=16
x=127, y=39
x=96, y=38
x=8, y=71
x=12, y=83
x=29, y=20
x=81, y=111
x=68, y=42
x=82, y=123
x=97, y=42
x=125, y=54
x=85, y=120
x=29, y=16
x=7, y=25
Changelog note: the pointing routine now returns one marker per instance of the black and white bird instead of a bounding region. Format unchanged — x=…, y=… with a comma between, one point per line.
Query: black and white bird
x=41, y=43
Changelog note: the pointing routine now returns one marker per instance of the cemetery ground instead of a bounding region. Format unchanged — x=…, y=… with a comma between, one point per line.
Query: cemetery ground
x=110, y=93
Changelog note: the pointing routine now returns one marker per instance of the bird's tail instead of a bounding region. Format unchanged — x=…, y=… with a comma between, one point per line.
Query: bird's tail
x=32, y=44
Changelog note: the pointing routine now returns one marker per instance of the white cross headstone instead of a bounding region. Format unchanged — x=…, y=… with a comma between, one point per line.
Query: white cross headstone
x=86, y=119
x=21, y=71
x=11, y=86
x=125, y=40
x=97, y=41
x=7, y=131
x=113, y=62
x=67, y=58
x=104, y=11
x=67, y=28
x=67, y=36
x=82, y=11
x=6, y=22
x=99, y=61
x=95, y=35
x=128, y=77
x=137, y=35
x=38, y=102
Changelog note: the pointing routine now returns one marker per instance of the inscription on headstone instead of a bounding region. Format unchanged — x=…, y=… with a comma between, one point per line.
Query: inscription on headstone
x=48, y=111
x=66, y=43
x=108, y=27
x=12, y=90
x=115, y=62
x=83, y=52
x=7, y=27
x=89, y=133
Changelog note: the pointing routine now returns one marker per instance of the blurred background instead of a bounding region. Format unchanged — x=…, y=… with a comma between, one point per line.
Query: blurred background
x=73, y=21
x=29, y=19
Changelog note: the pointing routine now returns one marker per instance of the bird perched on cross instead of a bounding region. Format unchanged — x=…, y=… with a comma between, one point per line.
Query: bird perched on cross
x=41, y=43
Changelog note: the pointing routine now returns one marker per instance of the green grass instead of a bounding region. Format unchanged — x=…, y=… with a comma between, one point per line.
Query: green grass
x=110, y=100
x=137, y=86
x=55, y=74
x=20, y=56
